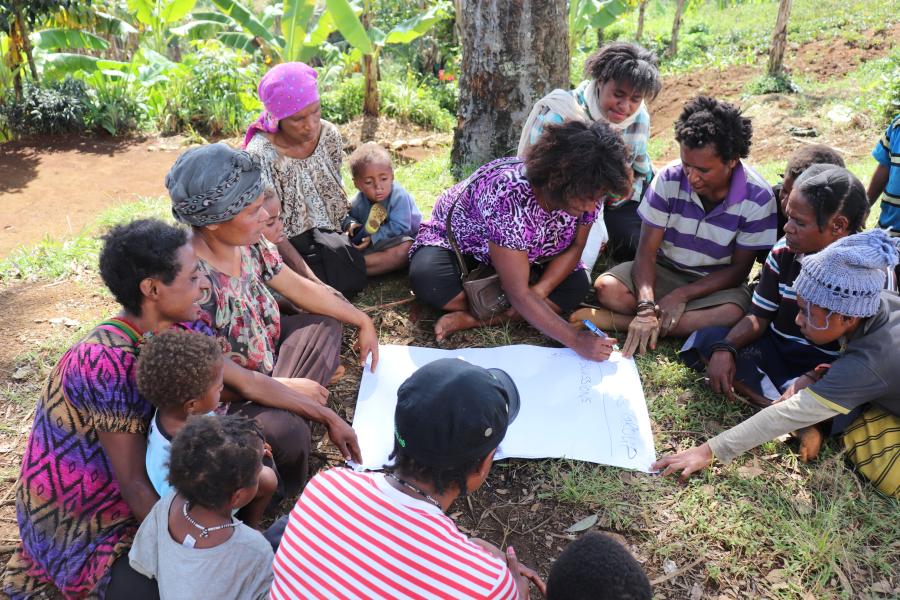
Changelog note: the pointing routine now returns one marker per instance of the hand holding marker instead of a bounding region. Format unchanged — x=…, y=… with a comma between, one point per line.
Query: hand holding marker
x=596, y=331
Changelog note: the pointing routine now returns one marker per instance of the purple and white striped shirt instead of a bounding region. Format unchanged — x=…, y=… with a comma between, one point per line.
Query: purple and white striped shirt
x=702, y=242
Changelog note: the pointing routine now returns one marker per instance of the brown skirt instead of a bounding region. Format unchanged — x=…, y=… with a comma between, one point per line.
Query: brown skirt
x=309, y=347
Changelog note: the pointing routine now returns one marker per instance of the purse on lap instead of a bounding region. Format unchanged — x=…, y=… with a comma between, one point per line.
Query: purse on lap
x=481, y=285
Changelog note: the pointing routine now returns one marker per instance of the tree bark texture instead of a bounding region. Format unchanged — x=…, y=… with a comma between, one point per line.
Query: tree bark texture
x=672, y=50
x=513, y=53
x=370, y=69
x=779, y=39
x=642, y=10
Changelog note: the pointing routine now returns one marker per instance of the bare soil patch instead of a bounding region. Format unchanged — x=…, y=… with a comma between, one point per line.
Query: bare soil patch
x=54, y=186
x=834, y=57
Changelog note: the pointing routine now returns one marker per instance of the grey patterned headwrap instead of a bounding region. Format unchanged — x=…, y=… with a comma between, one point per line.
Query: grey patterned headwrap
x=212, y=184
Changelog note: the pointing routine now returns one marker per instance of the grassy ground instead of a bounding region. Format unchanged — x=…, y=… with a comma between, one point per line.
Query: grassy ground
x=711, y=36
x=763, y=526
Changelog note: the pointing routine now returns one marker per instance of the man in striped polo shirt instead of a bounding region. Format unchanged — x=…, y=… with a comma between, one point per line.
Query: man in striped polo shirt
x=704, y=219
x=385, y=535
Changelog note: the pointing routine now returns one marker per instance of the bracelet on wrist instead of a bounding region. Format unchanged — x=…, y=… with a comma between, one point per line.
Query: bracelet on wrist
x=645, y=306
x=723, y=345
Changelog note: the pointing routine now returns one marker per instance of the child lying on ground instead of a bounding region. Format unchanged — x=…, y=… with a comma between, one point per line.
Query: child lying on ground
x=190, y=543
x=180, y=373
x=382, y=215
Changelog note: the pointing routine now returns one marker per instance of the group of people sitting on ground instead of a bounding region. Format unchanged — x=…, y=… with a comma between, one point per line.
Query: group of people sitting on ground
x=177, y=425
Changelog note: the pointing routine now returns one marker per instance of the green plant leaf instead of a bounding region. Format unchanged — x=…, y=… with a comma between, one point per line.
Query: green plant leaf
x=608, y=13
x=198, y=30
x=324, y=27
x=245, y=19
x=294, y=25
x=113, y=24
x=239, y=41
x=174, y=10
x=407, y=31
x=211, y=15
x=63, y=63
x=143, y=10
x=68, y=39
x=349, y=25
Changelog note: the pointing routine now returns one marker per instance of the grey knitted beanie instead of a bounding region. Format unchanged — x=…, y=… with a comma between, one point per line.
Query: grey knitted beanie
x=212, y=184
x=847, y=276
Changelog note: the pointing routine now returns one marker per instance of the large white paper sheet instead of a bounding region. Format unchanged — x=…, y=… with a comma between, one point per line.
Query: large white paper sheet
x=570, y=407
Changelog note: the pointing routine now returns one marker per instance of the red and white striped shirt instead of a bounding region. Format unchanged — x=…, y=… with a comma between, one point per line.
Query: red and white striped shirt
x=353, y=535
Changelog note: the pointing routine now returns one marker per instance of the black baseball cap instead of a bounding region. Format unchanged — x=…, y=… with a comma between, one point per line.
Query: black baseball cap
x=451, y=412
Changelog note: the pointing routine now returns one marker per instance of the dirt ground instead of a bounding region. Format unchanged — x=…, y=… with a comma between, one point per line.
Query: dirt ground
x=56, y=186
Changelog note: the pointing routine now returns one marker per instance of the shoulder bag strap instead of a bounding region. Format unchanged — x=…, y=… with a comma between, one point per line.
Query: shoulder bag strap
x=464, y=270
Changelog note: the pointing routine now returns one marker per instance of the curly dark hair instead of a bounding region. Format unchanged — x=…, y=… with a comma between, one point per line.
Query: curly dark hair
x=626, y=62
x=596, y=567
x=807, y=156
x=367, y=154
x=832, y=190
x=133, y=252
x=706, y=120
x=177, y=366
x=572, y=161
x=441, y=479
x=212, y=457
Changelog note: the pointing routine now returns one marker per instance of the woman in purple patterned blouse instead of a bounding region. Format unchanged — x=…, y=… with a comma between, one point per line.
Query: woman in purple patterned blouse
x=529, y=220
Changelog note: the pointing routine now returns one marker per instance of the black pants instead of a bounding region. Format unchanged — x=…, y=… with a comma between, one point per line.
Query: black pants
x=127, y=584
x=434, y=276
x=333, y=259
x=624, y=227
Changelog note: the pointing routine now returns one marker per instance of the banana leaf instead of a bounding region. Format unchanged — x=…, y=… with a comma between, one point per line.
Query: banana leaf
x=407, y=31
x=294, y=25
x=68, y=39
x=245, y=19
x=348, y=24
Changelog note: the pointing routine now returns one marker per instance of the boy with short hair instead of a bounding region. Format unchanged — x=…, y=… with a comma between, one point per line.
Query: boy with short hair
x=181, y=374
x=382, y=215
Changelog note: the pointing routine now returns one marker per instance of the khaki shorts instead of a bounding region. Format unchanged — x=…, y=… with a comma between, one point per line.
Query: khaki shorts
x=669, y=279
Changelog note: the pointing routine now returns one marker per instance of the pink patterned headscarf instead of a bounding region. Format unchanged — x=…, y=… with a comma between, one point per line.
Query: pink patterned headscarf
x=285, y=90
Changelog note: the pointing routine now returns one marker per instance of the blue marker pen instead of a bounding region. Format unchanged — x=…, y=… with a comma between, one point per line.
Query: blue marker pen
x=597, y=331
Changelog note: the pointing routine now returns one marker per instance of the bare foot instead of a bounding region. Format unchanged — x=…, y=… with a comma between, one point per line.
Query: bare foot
x=602, y=318
x=338, y=373
x=452, y=322
x=811, y=439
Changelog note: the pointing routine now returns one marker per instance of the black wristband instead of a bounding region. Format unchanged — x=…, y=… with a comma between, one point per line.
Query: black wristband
x=723, y=345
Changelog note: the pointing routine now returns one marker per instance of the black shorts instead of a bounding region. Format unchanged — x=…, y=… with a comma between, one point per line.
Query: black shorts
x=434, y=276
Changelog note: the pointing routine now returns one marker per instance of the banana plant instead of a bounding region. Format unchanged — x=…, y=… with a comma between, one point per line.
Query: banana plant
x=593, y=14
x=158, y=15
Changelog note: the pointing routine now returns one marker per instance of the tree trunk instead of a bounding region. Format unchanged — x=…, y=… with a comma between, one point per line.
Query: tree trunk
x=642, y=9
x=779, y=39
x=599, y=37
x=26, y=43
x=370, y=69
x=672, y=50
x=370, y=72
x=513, y=53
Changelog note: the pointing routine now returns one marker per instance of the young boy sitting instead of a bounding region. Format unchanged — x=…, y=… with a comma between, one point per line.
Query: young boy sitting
x=190, y=543
x=596, y=567
x=181, y=374
x=382, y=215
